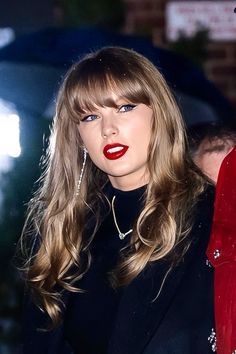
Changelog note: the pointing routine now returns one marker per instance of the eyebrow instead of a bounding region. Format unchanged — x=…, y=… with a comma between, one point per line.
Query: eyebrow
x=109, y=102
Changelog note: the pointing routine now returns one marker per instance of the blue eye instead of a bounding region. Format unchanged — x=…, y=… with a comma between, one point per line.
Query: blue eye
x=127, y=107
x=89, y=118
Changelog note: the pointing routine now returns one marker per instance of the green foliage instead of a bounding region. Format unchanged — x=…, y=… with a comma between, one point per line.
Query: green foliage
x=193, y=47
x=102, y=13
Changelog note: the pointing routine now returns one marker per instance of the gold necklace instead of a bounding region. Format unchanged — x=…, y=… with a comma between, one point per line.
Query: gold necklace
x=121, y=234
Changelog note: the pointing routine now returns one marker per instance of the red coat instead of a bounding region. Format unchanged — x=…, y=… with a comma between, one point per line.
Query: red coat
x=222, y=255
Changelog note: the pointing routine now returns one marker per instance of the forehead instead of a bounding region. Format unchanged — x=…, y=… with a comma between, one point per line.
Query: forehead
x=105, y=92
x=113, y=100
x=109, y=99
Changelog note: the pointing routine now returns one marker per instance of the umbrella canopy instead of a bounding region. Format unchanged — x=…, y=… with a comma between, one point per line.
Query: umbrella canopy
x=31, y=68
x=29, y=86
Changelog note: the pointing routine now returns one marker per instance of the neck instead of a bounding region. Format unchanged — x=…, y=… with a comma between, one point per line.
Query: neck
x=127, y=184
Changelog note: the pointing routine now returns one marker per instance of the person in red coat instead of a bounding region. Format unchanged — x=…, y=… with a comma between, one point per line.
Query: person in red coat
x=222, y=255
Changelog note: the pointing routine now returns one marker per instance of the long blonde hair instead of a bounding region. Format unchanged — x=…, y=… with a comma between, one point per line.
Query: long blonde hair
x=58, y=217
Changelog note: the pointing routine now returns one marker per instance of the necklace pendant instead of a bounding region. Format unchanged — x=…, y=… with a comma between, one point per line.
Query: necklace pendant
x=122, y=236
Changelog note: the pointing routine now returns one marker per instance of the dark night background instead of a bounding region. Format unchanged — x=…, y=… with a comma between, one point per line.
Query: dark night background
x=63, y=29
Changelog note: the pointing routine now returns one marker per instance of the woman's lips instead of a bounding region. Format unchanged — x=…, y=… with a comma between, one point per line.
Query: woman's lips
x=114, y=151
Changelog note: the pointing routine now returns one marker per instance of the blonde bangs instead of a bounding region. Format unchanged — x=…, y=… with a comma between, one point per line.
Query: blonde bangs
x=90, y=90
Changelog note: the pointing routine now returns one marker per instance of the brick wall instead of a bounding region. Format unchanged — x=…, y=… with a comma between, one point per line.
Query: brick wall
x=148, y=17
x=221, y=68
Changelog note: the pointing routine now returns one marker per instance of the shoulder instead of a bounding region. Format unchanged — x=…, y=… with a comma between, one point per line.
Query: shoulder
x=227, y=173
x=202, y=217
x=204, y=206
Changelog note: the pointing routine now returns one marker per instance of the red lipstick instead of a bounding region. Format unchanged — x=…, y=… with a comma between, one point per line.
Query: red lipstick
x=114, y=151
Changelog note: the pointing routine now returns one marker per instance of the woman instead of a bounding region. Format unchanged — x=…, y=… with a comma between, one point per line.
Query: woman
x=122, y=220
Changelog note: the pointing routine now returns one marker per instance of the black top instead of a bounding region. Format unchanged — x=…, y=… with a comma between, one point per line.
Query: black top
x=90, y=316
x=138, y=319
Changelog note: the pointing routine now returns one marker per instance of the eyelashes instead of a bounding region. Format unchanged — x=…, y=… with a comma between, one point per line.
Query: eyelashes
x=89, y=118
x=124, y=108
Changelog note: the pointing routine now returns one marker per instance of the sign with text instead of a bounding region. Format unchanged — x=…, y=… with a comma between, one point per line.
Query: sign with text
x=188, y=17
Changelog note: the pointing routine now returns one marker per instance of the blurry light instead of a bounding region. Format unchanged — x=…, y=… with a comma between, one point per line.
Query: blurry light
x=7, y=35
x=9, y=130
x=9, y=135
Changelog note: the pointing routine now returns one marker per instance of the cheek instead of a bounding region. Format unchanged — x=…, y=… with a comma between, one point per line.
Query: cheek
x=92, y=144
x=86, y=137
x=81, y=134
x=142, y=143
x=143, y=136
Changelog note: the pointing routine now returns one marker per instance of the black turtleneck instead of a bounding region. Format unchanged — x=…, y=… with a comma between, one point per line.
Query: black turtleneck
x=90, y=316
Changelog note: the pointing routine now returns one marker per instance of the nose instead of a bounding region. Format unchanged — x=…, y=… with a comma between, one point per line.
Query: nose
x=109, y=126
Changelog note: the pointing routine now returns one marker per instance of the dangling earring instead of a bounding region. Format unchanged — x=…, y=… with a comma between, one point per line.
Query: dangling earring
x=82, y=171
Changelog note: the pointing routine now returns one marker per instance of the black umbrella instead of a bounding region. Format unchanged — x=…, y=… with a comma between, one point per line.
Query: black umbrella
x=31, y=68
x=29, y=86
